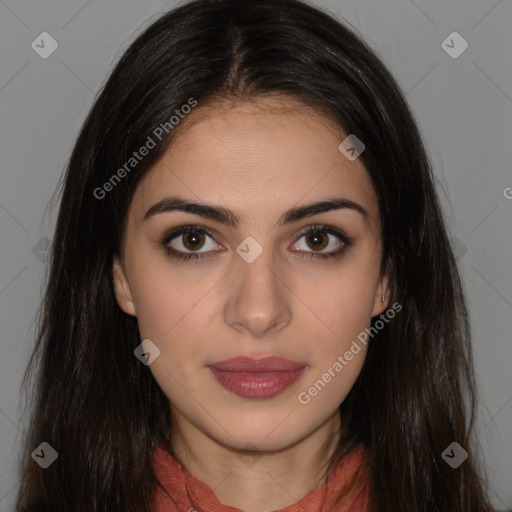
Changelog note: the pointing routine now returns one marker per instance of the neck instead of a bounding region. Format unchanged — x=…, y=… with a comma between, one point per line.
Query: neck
x=258, y=481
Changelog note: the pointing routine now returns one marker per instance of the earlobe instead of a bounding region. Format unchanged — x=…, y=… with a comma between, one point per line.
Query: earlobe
x=382, y=296
x=122, y=288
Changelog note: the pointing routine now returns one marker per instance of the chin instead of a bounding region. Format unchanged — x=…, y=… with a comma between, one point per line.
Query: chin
x=271, y=435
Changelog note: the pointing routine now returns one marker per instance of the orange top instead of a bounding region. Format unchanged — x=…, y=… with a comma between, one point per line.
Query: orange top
x=185, y=493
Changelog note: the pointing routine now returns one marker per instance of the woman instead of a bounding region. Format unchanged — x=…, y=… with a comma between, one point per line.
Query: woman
x=253, y=304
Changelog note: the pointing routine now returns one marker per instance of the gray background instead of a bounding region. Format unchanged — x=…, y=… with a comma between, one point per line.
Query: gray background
x=463, y=106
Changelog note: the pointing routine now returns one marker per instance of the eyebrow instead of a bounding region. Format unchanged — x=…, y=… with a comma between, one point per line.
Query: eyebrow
x=230, y=218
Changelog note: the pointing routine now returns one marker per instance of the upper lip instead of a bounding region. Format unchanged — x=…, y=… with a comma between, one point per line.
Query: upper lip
x=264, y=364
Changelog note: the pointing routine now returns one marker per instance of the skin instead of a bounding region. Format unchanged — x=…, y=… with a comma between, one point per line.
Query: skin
x=258, y=159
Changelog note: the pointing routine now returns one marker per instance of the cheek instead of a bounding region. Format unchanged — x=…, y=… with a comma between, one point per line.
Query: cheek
x=164, y=292
x=343, y=304
x=343, y=307
x=343, y=301
x=167, y=314
x=170, y=318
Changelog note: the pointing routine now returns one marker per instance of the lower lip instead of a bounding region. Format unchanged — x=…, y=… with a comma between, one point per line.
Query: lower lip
x=256, y=385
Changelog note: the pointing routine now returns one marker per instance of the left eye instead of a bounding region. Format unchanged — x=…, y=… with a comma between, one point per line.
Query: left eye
x=322, y=240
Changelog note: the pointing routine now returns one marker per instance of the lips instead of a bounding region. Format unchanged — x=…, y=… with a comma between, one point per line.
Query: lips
x=257, y=378
x=250, y=365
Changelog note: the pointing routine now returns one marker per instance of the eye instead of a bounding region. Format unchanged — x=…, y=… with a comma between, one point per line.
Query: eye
x=185, y=242
x=192, y=239
x=321, y=237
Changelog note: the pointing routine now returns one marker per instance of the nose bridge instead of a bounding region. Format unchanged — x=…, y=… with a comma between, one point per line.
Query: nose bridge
x=257, y=299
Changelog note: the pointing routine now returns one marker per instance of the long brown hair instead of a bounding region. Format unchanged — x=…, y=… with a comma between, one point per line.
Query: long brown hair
x=93, y=401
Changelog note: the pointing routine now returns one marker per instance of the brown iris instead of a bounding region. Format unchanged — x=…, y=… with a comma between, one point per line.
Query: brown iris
x=193, y=240
x=316, y=238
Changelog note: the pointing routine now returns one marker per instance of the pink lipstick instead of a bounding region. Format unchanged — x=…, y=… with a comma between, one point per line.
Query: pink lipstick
x=257, y=378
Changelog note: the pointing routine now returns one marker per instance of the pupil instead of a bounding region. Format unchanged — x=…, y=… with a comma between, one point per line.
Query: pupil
x=194, y=237
x=316, y=237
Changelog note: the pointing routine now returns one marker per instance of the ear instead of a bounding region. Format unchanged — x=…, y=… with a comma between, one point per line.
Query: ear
x=382, y=291
x=122, y=288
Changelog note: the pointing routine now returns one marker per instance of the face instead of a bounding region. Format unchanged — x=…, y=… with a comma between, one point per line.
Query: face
x=256, y=284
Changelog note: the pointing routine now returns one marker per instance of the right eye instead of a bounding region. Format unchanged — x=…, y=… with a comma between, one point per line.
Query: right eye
x=192, y=239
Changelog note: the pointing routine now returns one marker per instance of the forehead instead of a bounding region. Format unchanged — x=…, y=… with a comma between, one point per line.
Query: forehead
x=256, y=158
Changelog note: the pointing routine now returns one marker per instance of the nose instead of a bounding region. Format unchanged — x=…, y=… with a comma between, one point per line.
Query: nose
x=258, y=298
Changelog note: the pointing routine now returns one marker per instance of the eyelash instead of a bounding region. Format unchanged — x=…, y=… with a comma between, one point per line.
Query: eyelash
x=322, y=228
